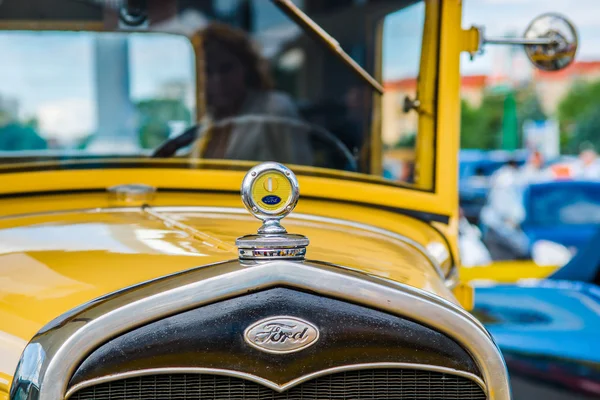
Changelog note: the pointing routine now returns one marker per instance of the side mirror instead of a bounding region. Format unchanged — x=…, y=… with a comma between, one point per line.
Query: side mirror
x=550, y=41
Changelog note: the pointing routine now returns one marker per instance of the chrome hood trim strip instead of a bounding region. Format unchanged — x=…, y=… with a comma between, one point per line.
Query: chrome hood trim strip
x=267, y=383
x=52, y=356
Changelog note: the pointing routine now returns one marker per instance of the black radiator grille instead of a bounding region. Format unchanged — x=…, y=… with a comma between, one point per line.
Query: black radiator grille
x=371, y=384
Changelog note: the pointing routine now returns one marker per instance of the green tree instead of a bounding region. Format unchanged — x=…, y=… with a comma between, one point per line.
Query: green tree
x=84, y=142
x=470, y=124
x=529, y=107
x=4, y=117
x=155, y=115
x=481, y=128
x=15, y=136
x=583, y=97
x=587, y=130
x=578, y=116
x=406, y=141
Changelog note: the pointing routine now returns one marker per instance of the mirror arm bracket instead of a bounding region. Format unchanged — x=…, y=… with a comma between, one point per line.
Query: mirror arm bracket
x=475, y=39
x=520, y=41
x=471, y=41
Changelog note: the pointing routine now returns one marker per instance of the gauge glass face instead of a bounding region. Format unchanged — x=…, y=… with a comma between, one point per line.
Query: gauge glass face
x=272, y=192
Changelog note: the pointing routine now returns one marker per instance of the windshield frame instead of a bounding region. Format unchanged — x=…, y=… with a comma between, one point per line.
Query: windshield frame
x=436, y=86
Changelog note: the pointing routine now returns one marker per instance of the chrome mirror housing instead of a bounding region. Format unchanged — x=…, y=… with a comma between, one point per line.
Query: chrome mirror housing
x=561, y=52
x=550, y=41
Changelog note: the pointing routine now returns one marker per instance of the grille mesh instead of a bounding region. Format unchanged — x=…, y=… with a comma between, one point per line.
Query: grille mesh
x=371, y=384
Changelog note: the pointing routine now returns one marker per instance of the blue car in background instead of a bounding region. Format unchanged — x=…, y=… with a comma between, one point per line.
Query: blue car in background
x=563, y=212
x=476, y=167
x=549, y=330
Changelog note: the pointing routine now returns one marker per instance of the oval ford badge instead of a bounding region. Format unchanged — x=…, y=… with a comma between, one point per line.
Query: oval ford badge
x=271, y=199
x=281, y=335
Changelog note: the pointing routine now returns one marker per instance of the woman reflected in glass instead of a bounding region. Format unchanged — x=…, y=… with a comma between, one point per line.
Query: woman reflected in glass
x=246, y=118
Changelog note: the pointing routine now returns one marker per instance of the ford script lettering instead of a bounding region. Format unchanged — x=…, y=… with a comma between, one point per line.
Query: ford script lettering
x=271, y=200
x=281, y=334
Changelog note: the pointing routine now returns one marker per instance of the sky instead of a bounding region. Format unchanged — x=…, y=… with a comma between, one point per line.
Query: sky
x=53, y=77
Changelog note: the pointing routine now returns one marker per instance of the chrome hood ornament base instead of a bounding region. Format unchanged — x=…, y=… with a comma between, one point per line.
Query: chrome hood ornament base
x=270, y=191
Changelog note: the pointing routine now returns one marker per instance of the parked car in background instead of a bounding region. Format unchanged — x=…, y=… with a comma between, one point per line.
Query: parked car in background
x=548, y=330
x=562, y=212
x=472, y=250
x=476, y=168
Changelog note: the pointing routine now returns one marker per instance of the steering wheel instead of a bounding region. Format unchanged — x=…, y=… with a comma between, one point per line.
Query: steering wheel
x=170, y=146
x=330, y=152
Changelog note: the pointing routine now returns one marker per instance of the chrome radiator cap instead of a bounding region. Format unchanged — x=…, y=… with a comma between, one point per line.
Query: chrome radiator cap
x=270, y=191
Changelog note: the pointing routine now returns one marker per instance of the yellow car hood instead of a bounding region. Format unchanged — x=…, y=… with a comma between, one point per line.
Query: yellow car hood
x=53, y=262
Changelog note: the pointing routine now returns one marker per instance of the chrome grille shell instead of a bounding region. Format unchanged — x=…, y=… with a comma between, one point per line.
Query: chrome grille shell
x=54, y=353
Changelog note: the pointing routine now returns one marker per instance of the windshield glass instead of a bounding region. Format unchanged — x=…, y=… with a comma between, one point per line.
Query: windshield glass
x=91, y=93
x=228, y=80
x=564, y=204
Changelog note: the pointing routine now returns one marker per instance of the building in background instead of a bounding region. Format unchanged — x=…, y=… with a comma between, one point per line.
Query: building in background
x=398, y=126
x=115, y=110
x=472, y=88
x=178, y=89
x=9, y=108
x=552, y=87
x=175, y=89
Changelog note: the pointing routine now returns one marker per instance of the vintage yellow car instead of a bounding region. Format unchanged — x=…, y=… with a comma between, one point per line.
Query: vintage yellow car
x=131, y=270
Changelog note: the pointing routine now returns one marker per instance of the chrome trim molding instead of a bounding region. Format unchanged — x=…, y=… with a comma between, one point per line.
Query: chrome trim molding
x=453, y=278
x=438, y=251
x=52, y=356
x=267, y=383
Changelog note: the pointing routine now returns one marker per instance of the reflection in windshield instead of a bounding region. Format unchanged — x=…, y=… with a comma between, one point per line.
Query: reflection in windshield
x=130, y=93
x=69, y=92
x=238, y=83
x=284, y=139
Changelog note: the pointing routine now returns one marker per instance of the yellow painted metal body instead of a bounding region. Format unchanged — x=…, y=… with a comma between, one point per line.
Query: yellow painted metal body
x=53, y=259
x=506, y=272
x=60, y=250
